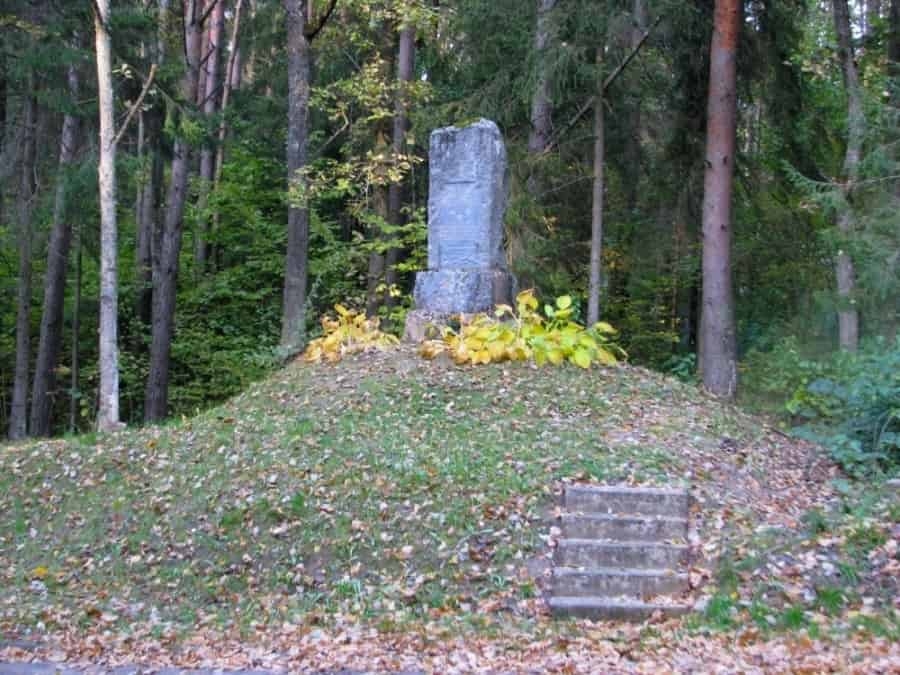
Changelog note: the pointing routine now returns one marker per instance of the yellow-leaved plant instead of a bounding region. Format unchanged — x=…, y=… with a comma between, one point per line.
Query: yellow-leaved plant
x=350, y=333
x=551, y=336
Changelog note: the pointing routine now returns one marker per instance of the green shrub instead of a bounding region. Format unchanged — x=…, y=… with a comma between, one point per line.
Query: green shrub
x=850, y=403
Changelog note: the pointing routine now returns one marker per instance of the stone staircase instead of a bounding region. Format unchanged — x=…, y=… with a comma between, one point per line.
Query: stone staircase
x=622, y=553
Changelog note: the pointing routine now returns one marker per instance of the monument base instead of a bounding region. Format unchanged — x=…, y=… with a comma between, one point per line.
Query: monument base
x=449, y=293
x=462, y=290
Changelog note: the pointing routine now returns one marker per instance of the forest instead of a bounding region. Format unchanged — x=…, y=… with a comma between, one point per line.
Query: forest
x=176, y=116
x=676, y=449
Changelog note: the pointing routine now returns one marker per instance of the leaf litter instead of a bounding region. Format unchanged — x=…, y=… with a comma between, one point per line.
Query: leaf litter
x=398, y=513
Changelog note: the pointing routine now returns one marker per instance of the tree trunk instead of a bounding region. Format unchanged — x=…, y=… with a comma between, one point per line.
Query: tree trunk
x=380, y=189
x=151, y=191
x=293, y=321
x=3, y=90
x=156, y=397
x=148, y=217
x=848, y=315
x=74, y=392
x=232, y=82
x=18, y=414
x=55, y=280
x=633, y=121
x=541, y=107
x=204, y=55
x=718, y=351
x=405, y=66
x=108, y=404
x=376, y=258
x=593, y=311
x=893, y=43
x=3, y=122
x=207, y=153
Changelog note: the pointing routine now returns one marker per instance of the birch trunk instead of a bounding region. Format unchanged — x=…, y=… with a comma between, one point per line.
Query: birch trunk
x=108, y=404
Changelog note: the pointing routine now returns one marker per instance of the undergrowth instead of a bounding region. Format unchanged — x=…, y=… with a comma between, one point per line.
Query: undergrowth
x=848, y=402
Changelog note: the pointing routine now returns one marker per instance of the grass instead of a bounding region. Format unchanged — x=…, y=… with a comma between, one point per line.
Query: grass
x=838, y=573
x=386, y=490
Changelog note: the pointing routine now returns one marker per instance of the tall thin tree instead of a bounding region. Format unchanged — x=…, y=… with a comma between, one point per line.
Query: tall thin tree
x=300, y=34
x=50, y=341
x=541, y=105
x=405, y=66
x=18, y=414
x=718, y=344
x=848, y=315
x=599, y=186
x=299, y=72
x=379, y=203
x=150, y=190
x=231, y=82
x=108, y=404
x=165, y=273
x=209, y=105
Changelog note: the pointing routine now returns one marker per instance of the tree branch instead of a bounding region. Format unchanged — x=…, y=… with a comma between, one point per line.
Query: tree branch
x=137, y=104
x=607, y=83
x=312, y=32
x=207, y=12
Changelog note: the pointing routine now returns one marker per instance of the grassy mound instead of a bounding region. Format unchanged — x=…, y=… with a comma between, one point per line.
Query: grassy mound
x=384, y=491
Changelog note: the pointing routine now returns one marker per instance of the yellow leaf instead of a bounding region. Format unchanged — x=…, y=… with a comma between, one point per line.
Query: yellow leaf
x=40, y=572
x=526, y=299
x=603, y=327
x=605, y=357
x=496, y=350
x=340, y=309
x=430, y=349
x=581, y=357
x=555, y=356
x=564, y=301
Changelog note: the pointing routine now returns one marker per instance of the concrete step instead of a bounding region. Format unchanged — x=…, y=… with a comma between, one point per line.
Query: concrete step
x=626, y=500
x=611, y=609
x=638, y=554
x=636, y=583
x=623, y=528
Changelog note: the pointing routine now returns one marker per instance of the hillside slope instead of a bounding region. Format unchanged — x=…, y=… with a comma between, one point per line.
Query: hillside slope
x=402, y=497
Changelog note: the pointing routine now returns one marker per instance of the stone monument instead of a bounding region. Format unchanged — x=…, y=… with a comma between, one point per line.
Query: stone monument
x=467, y=194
